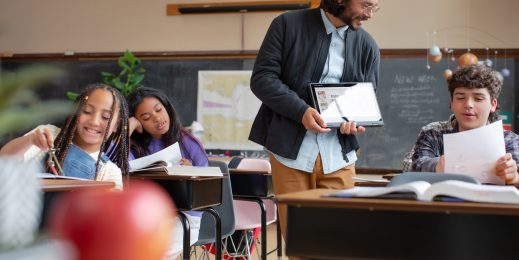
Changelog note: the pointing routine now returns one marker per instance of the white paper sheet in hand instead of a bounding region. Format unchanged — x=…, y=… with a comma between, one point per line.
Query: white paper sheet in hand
x=170, y=154
x=475, y=152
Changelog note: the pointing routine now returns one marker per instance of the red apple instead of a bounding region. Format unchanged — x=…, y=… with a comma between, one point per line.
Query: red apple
x=133, y=224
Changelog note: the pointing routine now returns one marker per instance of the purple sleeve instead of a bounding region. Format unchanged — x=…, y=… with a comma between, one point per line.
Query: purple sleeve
x=193, y=151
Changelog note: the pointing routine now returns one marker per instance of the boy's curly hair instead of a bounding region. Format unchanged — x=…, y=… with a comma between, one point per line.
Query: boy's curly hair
x=477, y=76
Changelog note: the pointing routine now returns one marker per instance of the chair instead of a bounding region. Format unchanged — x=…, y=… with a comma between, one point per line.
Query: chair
x=225, y=210
x=430, y=177
x=248, y=214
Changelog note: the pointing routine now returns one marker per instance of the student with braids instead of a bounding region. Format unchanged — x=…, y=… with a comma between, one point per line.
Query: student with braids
x=93, y=143
x=158, y=126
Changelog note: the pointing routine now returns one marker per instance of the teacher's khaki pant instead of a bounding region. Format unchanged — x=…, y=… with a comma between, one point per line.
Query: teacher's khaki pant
x=287, y=180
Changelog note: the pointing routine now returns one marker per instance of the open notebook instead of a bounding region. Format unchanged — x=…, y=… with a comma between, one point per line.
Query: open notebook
x=346, y=101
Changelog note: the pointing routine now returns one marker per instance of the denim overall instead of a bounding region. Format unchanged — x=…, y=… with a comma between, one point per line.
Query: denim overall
x=80, y=164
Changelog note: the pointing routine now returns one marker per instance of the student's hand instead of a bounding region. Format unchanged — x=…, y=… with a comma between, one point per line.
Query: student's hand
x=314, y=122
x=506, y=169
x=185, y=162
x=440, y=167
x=350, y=128
x=42, y=138
x=135, y=125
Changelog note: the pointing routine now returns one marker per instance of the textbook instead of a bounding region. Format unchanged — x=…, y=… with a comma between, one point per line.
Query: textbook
x=451, y=190
x=178, y=170
x=46, y=175
x=167, y=156
x=166, y=161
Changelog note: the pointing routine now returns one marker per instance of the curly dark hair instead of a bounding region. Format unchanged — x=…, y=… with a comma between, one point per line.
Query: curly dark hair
x=333, y=7
x=477, y=76
x=115, y=146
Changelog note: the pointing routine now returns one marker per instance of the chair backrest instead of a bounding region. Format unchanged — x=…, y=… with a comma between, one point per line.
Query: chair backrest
x=254, y=164
x=430, y=177
x=225, y=210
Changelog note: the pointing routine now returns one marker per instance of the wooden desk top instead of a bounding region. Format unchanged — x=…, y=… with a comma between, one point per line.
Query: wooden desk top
x=312, y=198
x=56, y=185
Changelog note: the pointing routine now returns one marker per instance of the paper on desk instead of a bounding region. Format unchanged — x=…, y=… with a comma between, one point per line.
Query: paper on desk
x=475, y=152
x=170, y=154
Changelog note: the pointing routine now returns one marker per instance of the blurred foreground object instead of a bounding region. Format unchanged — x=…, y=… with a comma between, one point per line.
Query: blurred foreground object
x=133, y=224
x=19, y=107
x=20, y=203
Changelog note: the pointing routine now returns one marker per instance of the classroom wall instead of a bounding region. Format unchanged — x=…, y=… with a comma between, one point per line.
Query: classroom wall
x=35, y=26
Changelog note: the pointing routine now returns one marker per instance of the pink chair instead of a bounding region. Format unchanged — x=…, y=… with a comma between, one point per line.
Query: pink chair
x=248, y=215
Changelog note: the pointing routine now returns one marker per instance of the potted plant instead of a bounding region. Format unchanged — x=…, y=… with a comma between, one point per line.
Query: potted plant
x=130, y=77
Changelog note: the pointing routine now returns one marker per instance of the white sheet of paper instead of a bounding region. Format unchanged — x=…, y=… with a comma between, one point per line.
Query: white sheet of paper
x=170, y=154
x=475, y=152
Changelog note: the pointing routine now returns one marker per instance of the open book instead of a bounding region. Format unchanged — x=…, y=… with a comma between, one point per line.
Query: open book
x=46, y=175
x=166, y=161
x=451, y=190
x=180, y=170
x=167, y=156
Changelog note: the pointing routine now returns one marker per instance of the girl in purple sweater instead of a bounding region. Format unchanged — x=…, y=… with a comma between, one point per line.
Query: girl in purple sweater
x=155, y=125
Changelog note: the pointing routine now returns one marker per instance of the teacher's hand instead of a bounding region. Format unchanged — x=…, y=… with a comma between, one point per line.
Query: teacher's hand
x=351, y=128
x=314, y=122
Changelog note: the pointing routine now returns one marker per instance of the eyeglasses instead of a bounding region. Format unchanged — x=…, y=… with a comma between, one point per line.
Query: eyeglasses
x=370, y=8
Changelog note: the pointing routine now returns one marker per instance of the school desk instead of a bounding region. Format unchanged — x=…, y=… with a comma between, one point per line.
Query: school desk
x=53, y=188
x=191, y=193
x=333, y=228
x=58, y=185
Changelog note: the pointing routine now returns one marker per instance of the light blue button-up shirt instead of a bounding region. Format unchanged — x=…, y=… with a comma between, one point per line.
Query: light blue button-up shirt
x=325, y=143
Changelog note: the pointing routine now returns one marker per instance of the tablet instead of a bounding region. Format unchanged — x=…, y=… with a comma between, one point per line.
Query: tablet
x=342, y=102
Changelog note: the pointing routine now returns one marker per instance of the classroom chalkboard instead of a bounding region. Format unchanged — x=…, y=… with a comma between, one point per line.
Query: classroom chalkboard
x=410, y=95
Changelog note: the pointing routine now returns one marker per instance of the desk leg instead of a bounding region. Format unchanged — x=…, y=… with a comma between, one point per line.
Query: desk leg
x=278, y=229
x=218, y=236
x=187, y=233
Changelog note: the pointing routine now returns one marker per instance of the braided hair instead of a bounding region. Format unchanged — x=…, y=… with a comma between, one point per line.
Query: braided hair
x=118, y=142
x=141, y=141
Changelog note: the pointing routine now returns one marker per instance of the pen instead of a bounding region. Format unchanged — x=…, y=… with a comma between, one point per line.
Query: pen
x=340, y=111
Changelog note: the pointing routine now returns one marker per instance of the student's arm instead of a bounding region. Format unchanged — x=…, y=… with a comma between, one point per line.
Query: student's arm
x=506, y=166
x=427, y=152
x=41, y=137
x=134, y=125
x=196, y=152
x=110, y=172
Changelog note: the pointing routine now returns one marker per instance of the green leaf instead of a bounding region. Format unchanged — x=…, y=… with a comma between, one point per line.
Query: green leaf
x=118, y=84
x=129, y=57
x=123, y=63
x=130, y=76
x=136, y=80
x=72, y=95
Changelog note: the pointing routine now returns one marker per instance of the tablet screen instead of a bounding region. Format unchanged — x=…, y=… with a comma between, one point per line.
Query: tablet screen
x=339, y=102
